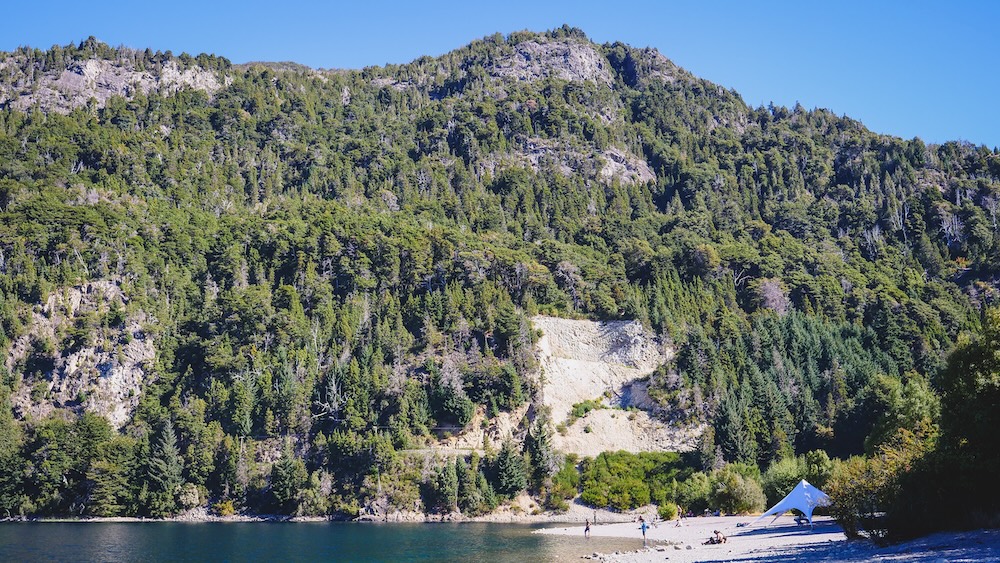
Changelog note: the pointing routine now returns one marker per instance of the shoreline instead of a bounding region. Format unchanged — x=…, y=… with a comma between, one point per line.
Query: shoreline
x=686, y=543
x=522, y=510
x=782, y=541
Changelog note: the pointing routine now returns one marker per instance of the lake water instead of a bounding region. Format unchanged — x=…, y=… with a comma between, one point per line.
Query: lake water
x=299, y=541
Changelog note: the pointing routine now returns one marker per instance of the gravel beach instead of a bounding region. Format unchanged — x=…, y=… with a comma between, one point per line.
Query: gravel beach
x=781, y=541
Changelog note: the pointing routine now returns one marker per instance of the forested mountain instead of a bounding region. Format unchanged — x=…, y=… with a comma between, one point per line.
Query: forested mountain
x=257, y=286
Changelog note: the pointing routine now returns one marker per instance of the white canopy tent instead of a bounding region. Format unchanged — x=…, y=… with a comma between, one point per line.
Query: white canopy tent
x=804, y=497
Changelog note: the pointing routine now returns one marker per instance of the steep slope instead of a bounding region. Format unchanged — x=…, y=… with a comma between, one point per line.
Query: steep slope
x=605, y=363
x=339, y=266
x=82, y=351
x=586, y=360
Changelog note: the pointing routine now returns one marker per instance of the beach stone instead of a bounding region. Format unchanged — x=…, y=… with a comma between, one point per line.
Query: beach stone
x=677, y=547
x=689, y=547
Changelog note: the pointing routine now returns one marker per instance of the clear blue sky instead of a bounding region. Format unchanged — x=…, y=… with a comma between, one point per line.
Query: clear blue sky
x=927, y=69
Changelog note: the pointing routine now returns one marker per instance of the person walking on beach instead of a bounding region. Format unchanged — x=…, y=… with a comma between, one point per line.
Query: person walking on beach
x=642, y=526
x=586, y=529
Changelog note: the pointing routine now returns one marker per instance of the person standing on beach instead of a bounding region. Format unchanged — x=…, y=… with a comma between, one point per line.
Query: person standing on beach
x=586, y=530
x=642, y=526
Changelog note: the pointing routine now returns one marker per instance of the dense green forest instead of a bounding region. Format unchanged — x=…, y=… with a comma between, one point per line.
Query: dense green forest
x=338, y=267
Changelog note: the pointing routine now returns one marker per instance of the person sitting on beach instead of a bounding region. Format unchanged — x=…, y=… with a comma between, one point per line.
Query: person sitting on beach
x=719, y=537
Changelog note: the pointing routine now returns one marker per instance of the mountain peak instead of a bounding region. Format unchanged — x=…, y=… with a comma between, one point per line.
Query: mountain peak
x=568, y=58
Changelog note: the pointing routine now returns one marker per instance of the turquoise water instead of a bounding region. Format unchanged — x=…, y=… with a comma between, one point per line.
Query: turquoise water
x=300, y=541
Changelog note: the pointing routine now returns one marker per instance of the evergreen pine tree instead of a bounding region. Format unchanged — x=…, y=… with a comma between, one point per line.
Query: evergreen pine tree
x=538, y=444
x=164, y=472
x=510, y=470
x=287, y=479
x=446, y=484
x=470, y=499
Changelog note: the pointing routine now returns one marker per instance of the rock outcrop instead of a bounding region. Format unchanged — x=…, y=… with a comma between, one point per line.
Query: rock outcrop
x=79, y=354
x=540, y=58
x=605, y=166
x=62, y=90
x=626, y=167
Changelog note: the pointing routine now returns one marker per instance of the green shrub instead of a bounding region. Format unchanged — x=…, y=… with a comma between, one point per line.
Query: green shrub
x=694, y=492
x=224, y=508
x=566, y=481
x=782, y=476
x=581, y=409
x=39, y=391
x=863, y=489
x=555, y=503
x=735, y=492
x=819, y=468
x=668, y=511
x=623, y=481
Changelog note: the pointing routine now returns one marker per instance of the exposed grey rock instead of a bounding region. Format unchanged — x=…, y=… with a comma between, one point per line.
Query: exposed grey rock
x=571, y=60
x=539, y=154
x=104, y=376
x=628, y=168
x=100, y=79
x=397, y=85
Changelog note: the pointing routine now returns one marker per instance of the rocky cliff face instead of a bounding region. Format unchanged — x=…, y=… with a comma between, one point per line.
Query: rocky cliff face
x=82, y=352
x=579, y=60
x=567, y=59
x=62, y=90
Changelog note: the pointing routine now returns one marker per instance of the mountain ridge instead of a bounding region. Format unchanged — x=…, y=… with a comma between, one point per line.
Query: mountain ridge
x=343, y=265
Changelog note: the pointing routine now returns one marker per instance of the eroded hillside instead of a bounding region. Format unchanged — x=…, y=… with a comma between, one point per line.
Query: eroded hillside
x=605, y=363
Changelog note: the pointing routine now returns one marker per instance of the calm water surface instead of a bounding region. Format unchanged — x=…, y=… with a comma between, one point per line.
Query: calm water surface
x=300, y=541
